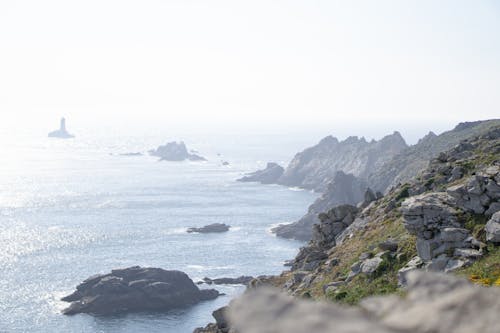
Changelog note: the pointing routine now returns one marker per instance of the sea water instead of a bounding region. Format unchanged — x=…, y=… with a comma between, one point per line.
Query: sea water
x=72, y=208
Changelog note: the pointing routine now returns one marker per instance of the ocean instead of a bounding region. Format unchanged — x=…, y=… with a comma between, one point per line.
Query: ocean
x=73, y=208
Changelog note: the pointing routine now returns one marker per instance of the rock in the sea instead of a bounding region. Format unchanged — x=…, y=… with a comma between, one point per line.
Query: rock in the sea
x=136, y=289
x=175, y=151
x=435, y=303
x=61, y=133
x=239, y=280
x=214, y=227
x=131, y=154
x=269, y=175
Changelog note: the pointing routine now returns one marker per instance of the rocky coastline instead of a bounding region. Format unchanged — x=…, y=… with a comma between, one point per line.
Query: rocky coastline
x=446, y=219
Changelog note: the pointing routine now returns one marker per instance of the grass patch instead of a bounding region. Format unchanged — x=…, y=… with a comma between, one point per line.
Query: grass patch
x=361, y=287
x=485, y=271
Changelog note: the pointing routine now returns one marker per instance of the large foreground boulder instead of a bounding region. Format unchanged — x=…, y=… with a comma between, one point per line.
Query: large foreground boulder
x=435, y=303
x=135, y=289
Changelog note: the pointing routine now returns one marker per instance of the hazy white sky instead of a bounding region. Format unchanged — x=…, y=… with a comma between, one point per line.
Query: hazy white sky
x=384, y=65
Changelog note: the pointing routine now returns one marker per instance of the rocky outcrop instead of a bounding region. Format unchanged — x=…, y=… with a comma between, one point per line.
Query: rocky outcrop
x=269, y=175
x=317, y=166
x=344, y=189
x=61, y=133
x=434, y=303
x=214, y=227
x=442, y=221
x=136, y=289
x=175, y=151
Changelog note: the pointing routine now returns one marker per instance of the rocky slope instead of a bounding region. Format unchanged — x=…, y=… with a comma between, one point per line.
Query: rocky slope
x=316, y=166
x=437, y=221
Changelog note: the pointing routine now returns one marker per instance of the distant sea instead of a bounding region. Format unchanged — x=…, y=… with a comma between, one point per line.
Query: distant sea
x=72, y=208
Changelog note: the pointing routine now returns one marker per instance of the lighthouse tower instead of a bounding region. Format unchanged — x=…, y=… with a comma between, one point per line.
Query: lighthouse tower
x=63, y=125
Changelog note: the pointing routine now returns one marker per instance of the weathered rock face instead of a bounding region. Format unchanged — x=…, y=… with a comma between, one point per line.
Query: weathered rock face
x=135, y=289
x=493, y=228
x=175, y=151
x=441, y=236
x=344, y=189
x=434, y=303
x=211, y=228
x=315, y=167
x=269, y=175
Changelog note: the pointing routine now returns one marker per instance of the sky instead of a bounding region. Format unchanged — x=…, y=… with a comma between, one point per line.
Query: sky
x=335, y=67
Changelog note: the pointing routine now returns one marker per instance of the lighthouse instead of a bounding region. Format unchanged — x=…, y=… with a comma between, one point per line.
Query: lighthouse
x=61, y=133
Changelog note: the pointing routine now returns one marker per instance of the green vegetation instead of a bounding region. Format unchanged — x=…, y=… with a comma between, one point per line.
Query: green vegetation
x=404, y=193
x=485, y=271
x=361, y=287
x=475, y=224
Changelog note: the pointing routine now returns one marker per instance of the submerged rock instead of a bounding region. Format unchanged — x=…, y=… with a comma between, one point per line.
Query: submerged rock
x=135, y=289
x=214, y=227
x=175, y=151
x=269, y=175
x=61, y=133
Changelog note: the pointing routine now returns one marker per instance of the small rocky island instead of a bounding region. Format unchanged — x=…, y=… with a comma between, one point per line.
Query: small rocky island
x=61, y=133
x=175, y=151
x=214, y=227
x=269, y=175
x=136, y=289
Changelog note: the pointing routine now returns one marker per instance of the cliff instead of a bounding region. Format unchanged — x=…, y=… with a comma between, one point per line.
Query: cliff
x=396, y=164
x=316, y=166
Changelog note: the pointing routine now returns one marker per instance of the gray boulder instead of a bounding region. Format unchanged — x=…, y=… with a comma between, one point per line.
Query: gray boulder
x=135, y=289
x=493, y=228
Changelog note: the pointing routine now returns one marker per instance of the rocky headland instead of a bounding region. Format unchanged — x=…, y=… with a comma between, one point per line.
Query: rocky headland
x=269, y=175
x=136, y=289
x=175, y=151
x=395, y=163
